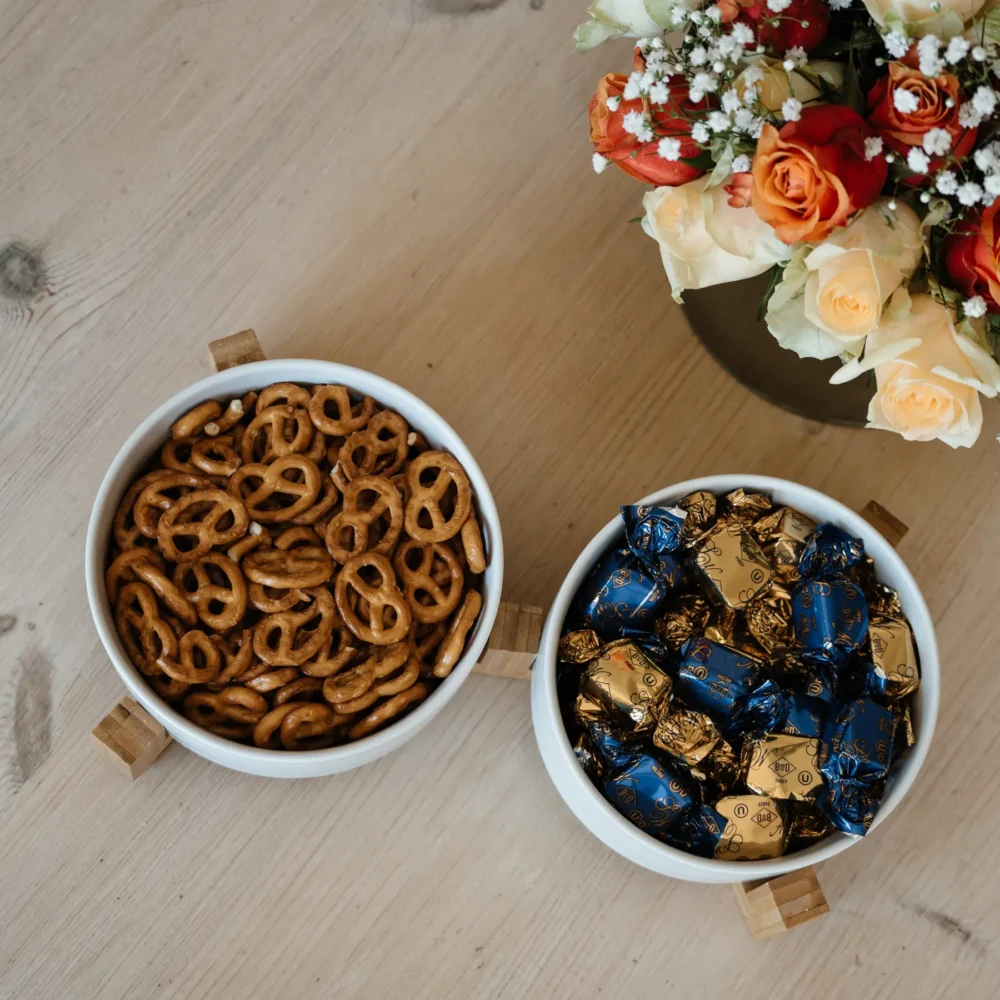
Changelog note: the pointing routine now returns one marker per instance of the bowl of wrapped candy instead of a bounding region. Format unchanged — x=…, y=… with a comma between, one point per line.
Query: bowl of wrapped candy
x=738, y=678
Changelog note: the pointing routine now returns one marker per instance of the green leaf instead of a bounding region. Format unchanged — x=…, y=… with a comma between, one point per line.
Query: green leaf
x=853, y=94
x=723, y=168
x=773, y=277
x=703, y=161
x=659, y=11
x=991, y=25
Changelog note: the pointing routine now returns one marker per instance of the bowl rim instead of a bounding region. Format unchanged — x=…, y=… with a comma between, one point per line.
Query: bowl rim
x=253, y=758
x=683, y=863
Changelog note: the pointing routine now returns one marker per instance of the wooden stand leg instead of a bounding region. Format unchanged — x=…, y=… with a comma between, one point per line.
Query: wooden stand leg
x=513, y=643
x=238, y=349
x=130, y=737
x=771, y=906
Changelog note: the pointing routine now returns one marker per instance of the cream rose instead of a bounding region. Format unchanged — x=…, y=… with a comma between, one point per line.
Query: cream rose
x=831, y=295
x=775, y=84
x=634, y=18
x=703, y=240
x=928, y=374
x=919, y=17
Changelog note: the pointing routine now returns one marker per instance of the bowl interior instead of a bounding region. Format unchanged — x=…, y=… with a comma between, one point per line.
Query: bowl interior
x=153, y=432
x=629, y=840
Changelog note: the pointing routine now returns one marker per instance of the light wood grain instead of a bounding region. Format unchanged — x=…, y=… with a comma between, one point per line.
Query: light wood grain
x=407, y=189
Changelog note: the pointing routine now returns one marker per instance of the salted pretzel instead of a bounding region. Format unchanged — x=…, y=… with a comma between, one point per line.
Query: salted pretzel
x=325, y=502
x=237, y=656
x=145, y=635
x=367, y=500
x=307, y=719
x=349, y=685
x=282, y=640
x=272, y=679
x=194, y=420
x=379, y=449
x=299, y=568
x=349, y=417
x=351, y=586
x=262, y=502
x=472, y=545
x=215, y=456
x=432, y=597
x=388, y=711
x=276, y=431
x=121, y=569
x=256, y=537
x=155, y=498
x=126, y=531
x=301, y=689
x=172, y=596
x=231, y=704
x=203, y=533
x=425, y=499
x=176, y=456
x=335, y=654
x=194, y=645
x=220, y=606
x=424, y=640
x=231, y=416
x=453, y=644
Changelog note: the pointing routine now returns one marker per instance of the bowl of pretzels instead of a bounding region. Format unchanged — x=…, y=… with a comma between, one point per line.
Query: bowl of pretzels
x=293, y=565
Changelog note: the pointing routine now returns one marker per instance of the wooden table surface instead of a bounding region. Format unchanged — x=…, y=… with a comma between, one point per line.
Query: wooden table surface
x=405, y=185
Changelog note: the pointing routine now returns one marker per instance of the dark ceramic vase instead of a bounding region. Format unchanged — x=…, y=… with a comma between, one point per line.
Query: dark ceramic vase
x=724, y=317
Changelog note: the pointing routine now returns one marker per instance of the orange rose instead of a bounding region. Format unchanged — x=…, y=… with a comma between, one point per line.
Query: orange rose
x=642, y=159
x=901, y=130
x=972, y=256
x=810, y=177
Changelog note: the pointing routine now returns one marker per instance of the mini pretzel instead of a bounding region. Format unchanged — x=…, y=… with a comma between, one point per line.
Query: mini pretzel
x=235, y=662
x=335, y=654
x=472, y=544
x=166, y=687
x=176, y=455
x=428, y=599
x=348, y=532
x=272, y=680
x=193, y=421
x=121, y=569
x=165, y=588
x=145, y=635
x=295, y=644
x=208, y=595
x=283, y=392
x=385, y=596
x=205, y=531
x=265, y=730
x=284, y=429
x=368, y=452
x=255, y=538
x=309, y=720
x=388, y=711
x=306, y=566
x=325, y=502
x=127, y=533
x=426, y=500
x=230, y=418
x=424, y=639
x=153, y=499
x=232, y=704
x=387, y=672
x=184, y=668
x=215, y=456
x=450, y=650
x=301, y=689
x=350, y=417
x=261, y=502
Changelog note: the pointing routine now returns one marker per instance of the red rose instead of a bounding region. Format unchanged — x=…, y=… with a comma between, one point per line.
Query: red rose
x=972, y=256
x=812, y=176
x=902, y=130
x=642, y=159
x=803, y=23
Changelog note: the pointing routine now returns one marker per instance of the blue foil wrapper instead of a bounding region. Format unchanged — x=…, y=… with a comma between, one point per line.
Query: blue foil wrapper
x=804, y=715
x=654, y=535
x=812, y=672
x=698, y=832
x=851, y=806
x=772, y=709
x=609, y=744
x=830, y=615
x=648, y=794
x=829, y=553
x=765, y=708
x=621, y=593
x=716, y=679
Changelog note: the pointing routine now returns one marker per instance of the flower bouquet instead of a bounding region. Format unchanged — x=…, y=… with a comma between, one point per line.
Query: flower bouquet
x=851, y=151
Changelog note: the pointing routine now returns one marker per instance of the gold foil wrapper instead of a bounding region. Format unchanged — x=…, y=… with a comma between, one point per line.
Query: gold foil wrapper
x=783, y=536
x=687, y=735
x=732, y=563
x=756, y=828
x=883, y=601
x=906, y=735
x=700, y=507
x=894, y=657
x=579, y=647
x=746, y=508
x=628, y=684
x=587, y=709
x=729, y=628
x=769, y=619
x=783, y=767
x=720, y=767
x=806, y=826
x=686, y=617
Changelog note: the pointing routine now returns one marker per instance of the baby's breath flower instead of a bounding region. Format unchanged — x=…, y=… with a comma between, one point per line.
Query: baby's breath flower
x=873, y=146
x=669, y=149
x=937, y=142
x=956, y=50
x=896, y=44
x=946, y=182
x=917, y=160
x=931, y=63
x=741, y=164
x=975, y=307
x=600, y=163
x=638, y=125
x=969, y=193
x=699, y=132
x=905, y=101
x=791, y=110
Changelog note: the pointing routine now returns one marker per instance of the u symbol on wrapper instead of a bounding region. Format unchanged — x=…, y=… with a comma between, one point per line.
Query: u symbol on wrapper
x=741, y=811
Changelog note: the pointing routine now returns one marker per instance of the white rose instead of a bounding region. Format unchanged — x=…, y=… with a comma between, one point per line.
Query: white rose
x=831, y=294
x=703, y=240
x=929, y=375
x=779, y=83
x=632, y=18
x=918, y=17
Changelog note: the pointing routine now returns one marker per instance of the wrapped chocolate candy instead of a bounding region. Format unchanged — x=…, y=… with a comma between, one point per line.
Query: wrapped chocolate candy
x=619, y=592
x=906, y=737
x=684, y=617
x=830, y=553
x=893, y=673
x=732, y=564
x=746, y=508
x=579, y=647
x=587, y=709
x=654, y=536
x=626, y=682
x=830, y=615
x=609, y=743
x=588, y=758
x=804, y=715
x=756, y=828
x=693, y=740
x=769, y=619
x=806, y=826
x=812, y=672
x=783, y=767
x=698, y=831
x=783, y=536
x=715, y=678
x=648, y=794
x=729, y=628
x=700, y=507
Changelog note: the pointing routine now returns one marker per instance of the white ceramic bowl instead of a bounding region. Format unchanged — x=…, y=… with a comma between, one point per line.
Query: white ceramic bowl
x=601, y=818
x=151, y=434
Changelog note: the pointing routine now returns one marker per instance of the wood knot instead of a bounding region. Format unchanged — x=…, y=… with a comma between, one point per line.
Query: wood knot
x=22, y=273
